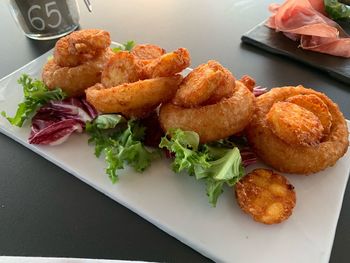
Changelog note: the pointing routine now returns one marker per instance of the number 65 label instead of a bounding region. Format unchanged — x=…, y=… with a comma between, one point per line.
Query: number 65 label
x=39, y=14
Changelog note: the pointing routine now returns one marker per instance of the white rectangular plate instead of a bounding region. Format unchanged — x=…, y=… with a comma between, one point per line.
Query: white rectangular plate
x=178, y=205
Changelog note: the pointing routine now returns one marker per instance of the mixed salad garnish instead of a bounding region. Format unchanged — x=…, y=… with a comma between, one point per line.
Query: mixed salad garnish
x=54, y=117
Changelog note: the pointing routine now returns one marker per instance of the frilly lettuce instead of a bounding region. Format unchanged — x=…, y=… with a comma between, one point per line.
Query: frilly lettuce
x=121, y=142
x=338, y=10
x=128, y=46
x=216, y=165
x=36, y=94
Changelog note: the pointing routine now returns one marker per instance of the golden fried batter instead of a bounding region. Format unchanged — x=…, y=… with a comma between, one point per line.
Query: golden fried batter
x=168, y=64
x=80, y=46
x=133, y=99
x=198, y=86
x=147, y=51
x=294, y=124
x=74, y=80
x=248, y=81
x=212, y=122
x=316, y=106
x=121, y=68
x=206, y=84
x=289, y=158
x=225, y=89
x=78, y=61
x=267, y=196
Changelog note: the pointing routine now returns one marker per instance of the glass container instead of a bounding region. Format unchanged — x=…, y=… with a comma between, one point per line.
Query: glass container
x=45, y=19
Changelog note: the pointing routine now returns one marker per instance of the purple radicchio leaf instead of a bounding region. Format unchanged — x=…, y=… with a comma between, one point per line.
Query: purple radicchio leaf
x=57, y=120
x=258, y=90
x=248, y=156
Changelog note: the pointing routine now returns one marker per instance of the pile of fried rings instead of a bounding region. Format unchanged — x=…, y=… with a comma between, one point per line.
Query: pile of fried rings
x=292, y=129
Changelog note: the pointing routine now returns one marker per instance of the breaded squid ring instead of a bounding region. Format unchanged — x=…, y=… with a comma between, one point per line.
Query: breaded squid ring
x=135, y=99
x=206, y=84
x=121, y=68
x=74, y=80
x=215, y=121
x=147, y=51
x=294, y=124
x=197, y=87
x=289, y=158
x=80, y=46
x=316, y=106
x=168, y=64
x=226, y=86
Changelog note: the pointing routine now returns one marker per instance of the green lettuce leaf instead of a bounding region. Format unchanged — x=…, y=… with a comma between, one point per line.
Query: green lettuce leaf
x=226, y=169
x=121, y=142
x=128, y=46
x=36, y=94
x=185, y=146
x=337, y=10
x=217, y=165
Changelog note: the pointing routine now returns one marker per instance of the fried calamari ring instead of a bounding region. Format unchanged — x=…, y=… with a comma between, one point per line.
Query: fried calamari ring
x=294, y=124
x=296, y=158
x=168, y=64
x=147, y=51
x=226, y=86
x=121, y=68
x=212, y=122
x=79, y=59
x=74, y=80
x=133, y=99
x=80, y=46
x=267, y=196
x=197, y=86
x=206, y=84
x=316, y=106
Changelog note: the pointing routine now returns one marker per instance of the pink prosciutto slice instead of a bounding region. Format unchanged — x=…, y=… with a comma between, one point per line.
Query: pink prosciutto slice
x=318, y=5
x=302, y=20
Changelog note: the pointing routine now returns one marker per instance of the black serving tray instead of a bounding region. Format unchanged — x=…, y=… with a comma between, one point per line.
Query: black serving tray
x=275, y=42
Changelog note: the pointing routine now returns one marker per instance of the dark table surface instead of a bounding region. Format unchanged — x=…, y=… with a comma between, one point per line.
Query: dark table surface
x=44, y=211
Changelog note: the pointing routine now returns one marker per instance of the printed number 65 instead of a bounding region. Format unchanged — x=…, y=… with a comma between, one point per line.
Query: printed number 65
x=39, y=23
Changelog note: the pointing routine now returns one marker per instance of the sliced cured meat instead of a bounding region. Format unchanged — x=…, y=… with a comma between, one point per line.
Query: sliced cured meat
x=334, y=46
x=318, y=5
x=302, y=20
x=299, y=17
